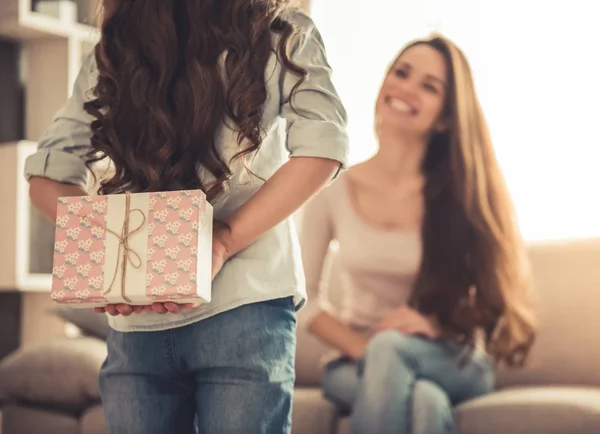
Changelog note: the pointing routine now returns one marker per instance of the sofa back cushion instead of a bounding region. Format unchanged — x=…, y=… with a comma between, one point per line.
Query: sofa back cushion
x=566, y=351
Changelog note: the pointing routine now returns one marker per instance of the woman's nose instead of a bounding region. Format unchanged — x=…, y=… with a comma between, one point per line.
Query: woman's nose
x=408, y=88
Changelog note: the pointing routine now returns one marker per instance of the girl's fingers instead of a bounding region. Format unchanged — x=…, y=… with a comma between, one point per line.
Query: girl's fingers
x=126, y=310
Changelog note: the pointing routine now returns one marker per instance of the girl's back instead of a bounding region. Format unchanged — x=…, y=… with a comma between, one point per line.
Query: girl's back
x=211, y=95
x=223, y=118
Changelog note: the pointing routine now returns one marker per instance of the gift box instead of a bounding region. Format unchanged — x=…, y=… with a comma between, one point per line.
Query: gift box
x=133, y=248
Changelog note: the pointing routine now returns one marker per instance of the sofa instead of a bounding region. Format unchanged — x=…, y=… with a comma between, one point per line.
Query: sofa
x=52, y=388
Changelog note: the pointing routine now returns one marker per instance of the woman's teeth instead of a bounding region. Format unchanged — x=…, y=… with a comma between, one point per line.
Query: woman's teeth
x=400, y=105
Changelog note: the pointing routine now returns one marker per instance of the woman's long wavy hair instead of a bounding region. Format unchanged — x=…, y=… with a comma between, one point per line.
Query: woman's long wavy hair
x=474, y=275
x=163, y=92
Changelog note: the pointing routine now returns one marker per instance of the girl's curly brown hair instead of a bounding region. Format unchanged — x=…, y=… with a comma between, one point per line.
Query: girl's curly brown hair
x=163, y=92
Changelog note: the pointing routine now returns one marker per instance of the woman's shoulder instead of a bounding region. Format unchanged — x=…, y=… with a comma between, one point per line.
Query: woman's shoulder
x=360, y=174
x=329, y=197
x=357, y=174
x=336, y=188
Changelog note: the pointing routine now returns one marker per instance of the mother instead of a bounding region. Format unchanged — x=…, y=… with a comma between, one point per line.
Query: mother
x=434, y=274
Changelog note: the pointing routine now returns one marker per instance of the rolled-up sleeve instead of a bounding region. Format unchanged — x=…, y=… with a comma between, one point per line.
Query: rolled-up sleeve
x=61, y=151
x=316, y=117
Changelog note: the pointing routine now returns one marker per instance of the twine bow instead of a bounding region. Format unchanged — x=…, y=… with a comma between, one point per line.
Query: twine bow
x=127, y=254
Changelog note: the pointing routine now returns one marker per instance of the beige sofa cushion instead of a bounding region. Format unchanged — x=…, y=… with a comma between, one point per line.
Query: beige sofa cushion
x=93, y=421
x=29, y=420
x=567, y=278
x=61, y=374
x=539, y=410
x=543, y=410
x=312, y=414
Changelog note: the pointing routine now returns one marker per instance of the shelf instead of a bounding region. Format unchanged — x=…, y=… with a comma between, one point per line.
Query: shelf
x=19, y=22
x=27, y=237
x=20, y=253
x=32, y=283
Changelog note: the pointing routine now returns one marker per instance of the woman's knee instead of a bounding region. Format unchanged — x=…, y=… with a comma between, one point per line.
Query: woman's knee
x=340, y=384
x=428, y=394
x=431, y=409
x=388, y=342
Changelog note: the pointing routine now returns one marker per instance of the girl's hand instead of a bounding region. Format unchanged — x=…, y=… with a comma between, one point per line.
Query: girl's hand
x=126, y=309
x=220, y=254
x=409, y=321
x=220, y=248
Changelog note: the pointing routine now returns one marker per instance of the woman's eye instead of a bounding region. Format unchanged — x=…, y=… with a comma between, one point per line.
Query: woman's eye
x=401, y=73
x=430, y=88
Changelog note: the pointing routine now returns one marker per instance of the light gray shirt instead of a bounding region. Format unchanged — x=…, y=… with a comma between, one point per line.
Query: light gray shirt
x=271, y=267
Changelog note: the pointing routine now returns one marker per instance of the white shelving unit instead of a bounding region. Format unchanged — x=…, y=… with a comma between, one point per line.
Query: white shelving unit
x=27, y=237
x=19, y=21
x=25, y=251
x=52, y=54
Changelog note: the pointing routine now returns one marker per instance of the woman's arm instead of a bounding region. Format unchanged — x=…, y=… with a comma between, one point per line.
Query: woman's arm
x=337, y=334
x=319, y=316
x=316, y=121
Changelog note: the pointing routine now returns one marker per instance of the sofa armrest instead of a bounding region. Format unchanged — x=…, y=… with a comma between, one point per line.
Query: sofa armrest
x=61, y=374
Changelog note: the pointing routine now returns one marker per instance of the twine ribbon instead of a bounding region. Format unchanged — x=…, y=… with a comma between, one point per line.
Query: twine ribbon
x=126, y=254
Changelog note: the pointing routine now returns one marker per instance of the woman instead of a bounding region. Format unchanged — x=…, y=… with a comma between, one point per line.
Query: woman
x=191, y=94
x=433, y=270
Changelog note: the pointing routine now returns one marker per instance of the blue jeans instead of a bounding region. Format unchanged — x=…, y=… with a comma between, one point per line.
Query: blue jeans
x=229, y=374
x=407, y=385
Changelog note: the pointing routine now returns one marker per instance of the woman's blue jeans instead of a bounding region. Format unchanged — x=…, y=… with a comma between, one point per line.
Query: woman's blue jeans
x=407, y=384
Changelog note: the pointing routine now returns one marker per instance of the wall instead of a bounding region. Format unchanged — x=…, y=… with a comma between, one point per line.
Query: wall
x=538, y=88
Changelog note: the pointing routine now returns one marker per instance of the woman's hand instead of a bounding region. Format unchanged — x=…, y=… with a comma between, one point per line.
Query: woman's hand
x=220, y=254
x=409, y=321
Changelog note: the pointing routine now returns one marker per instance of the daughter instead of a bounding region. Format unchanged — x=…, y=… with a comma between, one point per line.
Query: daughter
x=184, y=94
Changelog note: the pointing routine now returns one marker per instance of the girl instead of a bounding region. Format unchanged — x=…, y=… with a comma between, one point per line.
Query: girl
x=207, y=94
x=433, y=269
